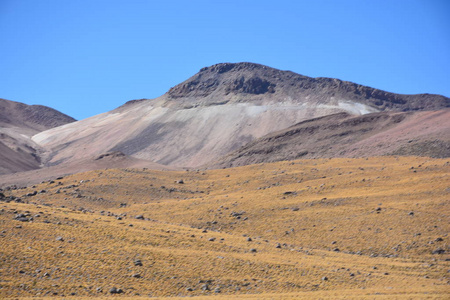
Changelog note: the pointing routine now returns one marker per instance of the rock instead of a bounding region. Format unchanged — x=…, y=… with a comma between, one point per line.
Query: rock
x=189, y=289
x=237, y=215
x=249, y=239
x=253, y=85
x=114, y=290
x=411, y=213
x=181, y=181
x=136, y=275
x=212, y=239
x=324, y=278
x=99, y=290
x=438, y=251
x=253, y=250
x=60, y=239
x=205, y=287
x=23, y=217
x=138, y=262
x=139, y=217
x=278, y=245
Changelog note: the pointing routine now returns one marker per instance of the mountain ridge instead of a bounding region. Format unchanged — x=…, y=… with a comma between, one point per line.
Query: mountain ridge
x=255, y=79
x=18, y=123
x=35, y=117
x=216, y=111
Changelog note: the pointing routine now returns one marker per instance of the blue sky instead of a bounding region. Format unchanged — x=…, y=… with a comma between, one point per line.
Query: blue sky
x=86, y=57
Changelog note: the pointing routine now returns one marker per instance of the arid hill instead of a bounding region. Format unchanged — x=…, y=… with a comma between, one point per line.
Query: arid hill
x=337, y=228
x=34, y=117
x=18, y=123
x=218, y=110
x=425, y=133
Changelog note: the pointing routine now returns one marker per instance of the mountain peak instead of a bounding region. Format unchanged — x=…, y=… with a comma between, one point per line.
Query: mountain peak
x=229, y=78
x=225, y=67
x=250, y=82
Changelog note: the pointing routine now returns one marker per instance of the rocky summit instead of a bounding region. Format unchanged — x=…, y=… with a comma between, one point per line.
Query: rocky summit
x=240, y=81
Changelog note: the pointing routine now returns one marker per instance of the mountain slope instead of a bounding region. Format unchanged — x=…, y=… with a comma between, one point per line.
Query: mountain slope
x=218, y=110
x=18, y=122
x=343, y=135
x=321, y=229
x=34, y=117
x=104, y=161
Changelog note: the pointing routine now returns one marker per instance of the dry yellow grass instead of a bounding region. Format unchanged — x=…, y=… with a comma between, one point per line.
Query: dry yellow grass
x=329, y=228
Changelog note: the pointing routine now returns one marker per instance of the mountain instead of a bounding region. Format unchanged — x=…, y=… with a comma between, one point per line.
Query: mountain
x=248, y=82
x=424, y=133
x=218, y=110
x=18, y=123
x=35, y=118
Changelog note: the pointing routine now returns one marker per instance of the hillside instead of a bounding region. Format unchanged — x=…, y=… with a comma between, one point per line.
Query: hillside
x=34, y=117
x=323, y=228
x=18, y=123
x=107, y=160
x=218, y=110
x=424, y=133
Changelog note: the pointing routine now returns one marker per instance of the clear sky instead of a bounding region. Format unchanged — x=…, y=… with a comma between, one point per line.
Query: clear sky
x=85, y=57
